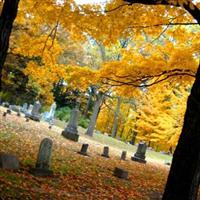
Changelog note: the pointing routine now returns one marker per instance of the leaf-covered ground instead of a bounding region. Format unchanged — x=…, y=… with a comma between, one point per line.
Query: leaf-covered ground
x=75, y=177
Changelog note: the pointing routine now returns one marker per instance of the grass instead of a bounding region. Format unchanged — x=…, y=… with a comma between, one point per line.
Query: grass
x=75, y=176
x=119, y=145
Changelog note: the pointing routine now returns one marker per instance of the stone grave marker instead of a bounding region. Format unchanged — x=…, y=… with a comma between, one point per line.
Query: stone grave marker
x=139, y=156
x=120, y=173
x=43, y=159
x=14, y=108
x=24, y=108
x=105, y=152
x=29, y=110
x=71, y=131
x=35, y=115
x=8, y=111
x=8, y=161
x=84, y=149
x=123, y=156
x=5, y=104
x=49, y=116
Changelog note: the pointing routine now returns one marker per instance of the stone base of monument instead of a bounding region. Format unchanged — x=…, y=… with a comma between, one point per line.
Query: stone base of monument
x=137, y=159
x=70, y=136
x=82, y=153
x=41, y=172
x=33, y=117
x=120, y=173
x=104, y=155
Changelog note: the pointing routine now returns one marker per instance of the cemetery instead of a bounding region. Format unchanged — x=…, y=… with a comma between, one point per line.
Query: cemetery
x=55, y=166
x=99, y=100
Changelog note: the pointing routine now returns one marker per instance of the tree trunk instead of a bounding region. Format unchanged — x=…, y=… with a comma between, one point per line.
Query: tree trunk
x=116, y=118
x=133, y=138
x=184, y=176
x=94, y=116
x=87, y=106
x=8, y=15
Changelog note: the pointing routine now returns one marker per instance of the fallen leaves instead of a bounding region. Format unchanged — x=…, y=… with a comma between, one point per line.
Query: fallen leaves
x=75, y=176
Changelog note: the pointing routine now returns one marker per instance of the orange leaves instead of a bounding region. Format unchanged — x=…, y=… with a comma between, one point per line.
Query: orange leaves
x=81, y=77
x=75, y=177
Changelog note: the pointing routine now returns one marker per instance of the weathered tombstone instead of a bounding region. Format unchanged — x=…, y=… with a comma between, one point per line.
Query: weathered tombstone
x=43, y=159
x=123, y=156
x=35, y=115
x=30, y=108
x=5, y=104
x=8, y=111
x=120, y=173
x=4, y=114
x=139, y=156
x=27, y=119
x=105, y=152
x=71, y=131
x=49, y=116
x=84, y=149
x=8, y=161
x=14, y=108
x=24, y=108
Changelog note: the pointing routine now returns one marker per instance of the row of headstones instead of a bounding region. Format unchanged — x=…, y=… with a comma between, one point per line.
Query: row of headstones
x=138, y=156
x=42, y=167
x=33, y=111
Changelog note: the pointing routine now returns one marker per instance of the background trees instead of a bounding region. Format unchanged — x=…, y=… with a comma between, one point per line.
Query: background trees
x=160, y=49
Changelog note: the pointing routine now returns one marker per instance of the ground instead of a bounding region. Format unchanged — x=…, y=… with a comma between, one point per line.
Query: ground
x=76, y=177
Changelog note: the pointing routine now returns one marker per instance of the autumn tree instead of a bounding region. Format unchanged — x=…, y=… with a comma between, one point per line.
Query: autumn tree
x=8, y=15
x=108, y=25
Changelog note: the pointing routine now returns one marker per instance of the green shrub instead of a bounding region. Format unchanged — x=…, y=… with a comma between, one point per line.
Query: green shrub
x=63, y=113
x=83, y=122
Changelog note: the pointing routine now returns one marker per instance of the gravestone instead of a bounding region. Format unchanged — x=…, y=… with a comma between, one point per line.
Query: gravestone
x=29, y=110
x=84, y=149
x=5, y=104
x=8, y=111
x=14, y=108
x=43, y=159
x=120, y=173
x=24, y=108
x=35, y=115
x=4, y=114
x=8, y=161
x=71, y=131
x=49, y=116
x=105, y=152
x=139, y=156
x=123, y=156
